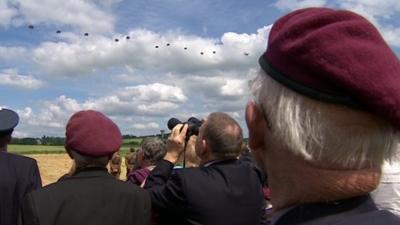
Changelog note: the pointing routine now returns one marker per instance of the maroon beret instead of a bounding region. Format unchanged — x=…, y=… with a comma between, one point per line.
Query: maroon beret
x=335, y=56
x=92, y=133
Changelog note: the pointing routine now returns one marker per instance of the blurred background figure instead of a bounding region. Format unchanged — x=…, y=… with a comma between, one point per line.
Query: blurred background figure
x=115, y=165
x=130, y=161
x=387, y=195
x=19, y=175
x=152, y=150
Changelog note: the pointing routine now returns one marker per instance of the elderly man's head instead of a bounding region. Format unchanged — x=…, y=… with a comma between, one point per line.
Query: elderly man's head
x=220, y=137
x=322, y=132
x=327, y=99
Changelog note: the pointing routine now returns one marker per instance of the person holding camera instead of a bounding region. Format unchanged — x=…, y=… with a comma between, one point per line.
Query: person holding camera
x=221, y=191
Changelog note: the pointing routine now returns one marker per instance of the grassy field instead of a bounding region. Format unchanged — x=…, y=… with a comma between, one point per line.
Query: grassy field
x=53, y=162
x=47, y=149
x=53, y=166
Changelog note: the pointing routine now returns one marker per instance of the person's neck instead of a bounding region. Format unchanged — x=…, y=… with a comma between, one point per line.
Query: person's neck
x=294, y=181
x=208, y=159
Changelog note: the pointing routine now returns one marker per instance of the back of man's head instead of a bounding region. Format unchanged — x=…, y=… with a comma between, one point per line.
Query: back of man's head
x=92, y=138
x=334, y=94
x=223, y=135
x=8, y=121
x=153, y=149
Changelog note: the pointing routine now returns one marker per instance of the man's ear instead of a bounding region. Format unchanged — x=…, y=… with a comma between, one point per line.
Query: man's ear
x=257, y=126
x=204, y=148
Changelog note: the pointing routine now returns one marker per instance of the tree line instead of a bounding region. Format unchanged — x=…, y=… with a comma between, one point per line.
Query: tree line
x=57, y=141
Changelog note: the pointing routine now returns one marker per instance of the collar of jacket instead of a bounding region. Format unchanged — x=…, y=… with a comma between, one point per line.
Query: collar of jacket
x=312, y=211
x=220, y=161
x=92, y=172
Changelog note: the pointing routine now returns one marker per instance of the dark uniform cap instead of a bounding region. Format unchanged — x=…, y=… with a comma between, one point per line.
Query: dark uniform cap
x=8, y=120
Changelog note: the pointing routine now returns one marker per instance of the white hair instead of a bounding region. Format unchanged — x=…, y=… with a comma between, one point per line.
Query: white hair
x=324, y=132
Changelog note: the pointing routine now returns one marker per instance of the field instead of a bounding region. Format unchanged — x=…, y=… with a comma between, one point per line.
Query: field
x=53, y=166
x=49, y=149
x=53, y=162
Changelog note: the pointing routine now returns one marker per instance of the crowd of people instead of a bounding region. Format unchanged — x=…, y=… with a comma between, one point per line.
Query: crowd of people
x=323, y=120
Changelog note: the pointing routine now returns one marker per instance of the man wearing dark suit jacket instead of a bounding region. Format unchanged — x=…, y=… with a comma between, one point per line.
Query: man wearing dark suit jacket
x=221, y=191
x=19, y=175
x=90, y=196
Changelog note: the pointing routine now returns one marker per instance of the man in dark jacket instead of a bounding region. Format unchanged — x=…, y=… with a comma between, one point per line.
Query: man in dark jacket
x=221, y=191
x=91, y=196
x=19, y=175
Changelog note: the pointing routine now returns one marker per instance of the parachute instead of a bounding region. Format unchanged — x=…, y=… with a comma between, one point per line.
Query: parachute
x=127, y=37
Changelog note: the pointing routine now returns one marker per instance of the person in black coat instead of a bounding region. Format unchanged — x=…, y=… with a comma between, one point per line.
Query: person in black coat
x=90, y=196
x=19, y=175
x=222, y=190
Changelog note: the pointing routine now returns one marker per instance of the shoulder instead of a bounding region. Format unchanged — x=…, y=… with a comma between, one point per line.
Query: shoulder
x=371, y=218
x=90, y=186
x=18, y=160
x=21, y=158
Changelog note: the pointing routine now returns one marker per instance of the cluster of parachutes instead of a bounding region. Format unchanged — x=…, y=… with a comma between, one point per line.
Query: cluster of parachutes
x=127, y=38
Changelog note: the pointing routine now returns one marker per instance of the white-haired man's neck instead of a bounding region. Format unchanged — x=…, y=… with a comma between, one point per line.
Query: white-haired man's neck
x=294, y=181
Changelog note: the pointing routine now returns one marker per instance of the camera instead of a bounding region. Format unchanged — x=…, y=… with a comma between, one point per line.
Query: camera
x=193, y=125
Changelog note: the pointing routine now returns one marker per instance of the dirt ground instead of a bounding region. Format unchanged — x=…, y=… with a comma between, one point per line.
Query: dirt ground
x=53, y=166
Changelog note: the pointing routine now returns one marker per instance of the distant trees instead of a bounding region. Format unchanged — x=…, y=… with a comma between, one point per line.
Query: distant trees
x=25, y=141
x=45, y=140
x=57, y=141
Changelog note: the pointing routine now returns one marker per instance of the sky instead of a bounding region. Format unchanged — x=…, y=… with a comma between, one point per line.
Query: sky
x=143, y=62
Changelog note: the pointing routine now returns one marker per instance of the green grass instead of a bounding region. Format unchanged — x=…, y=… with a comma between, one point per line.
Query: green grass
x=132, y=142
x=46, y=149
x=35, y=149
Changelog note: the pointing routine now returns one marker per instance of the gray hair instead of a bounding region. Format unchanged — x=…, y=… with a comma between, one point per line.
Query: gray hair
x=84, y=161
x=154, y=149
x=324, y=132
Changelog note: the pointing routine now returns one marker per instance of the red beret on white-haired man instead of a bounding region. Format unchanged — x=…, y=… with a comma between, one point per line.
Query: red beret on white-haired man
x=325, y=115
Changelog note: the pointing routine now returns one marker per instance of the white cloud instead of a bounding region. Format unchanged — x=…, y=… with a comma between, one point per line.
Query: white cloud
x=88, y=55
x=152, y=100
x=11, y=77
x=147, y=126
x=86, y=16
x=6, y=13
x=12, y=53
x=298, y=4
x=234, y=87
